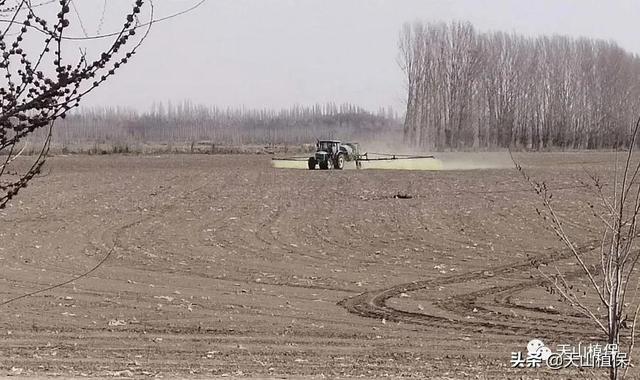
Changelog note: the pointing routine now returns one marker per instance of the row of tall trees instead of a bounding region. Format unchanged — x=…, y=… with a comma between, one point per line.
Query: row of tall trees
x=486, y=90
x=187, y=122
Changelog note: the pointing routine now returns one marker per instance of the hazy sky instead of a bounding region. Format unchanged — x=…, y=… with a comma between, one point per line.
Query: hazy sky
x=275, y=53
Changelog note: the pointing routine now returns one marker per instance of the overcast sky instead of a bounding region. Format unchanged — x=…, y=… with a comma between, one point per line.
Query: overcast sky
x=275, y=53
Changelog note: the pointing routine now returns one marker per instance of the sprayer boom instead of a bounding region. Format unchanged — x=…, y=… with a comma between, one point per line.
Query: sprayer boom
x=333, y=154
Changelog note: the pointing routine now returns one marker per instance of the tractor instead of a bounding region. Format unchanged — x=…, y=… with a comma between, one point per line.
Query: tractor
x=332, y=154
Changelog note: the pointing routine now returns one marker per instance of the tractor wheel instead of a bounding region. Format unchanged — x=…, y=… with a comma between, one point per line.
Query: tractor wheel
x=324, y=165
x=340, y=162
x=312, y=163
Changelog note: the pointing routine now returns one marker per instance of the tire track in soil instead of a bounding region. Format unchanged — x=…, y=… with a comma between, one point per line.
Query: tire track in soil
x=107, y=241
x=111, y=235
x=265, y=234
x=373, y=304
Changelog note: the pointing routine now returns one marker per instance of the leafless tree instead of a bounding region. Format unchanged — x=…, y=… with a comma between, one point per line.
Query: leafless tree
x=488, y=90
x=44, y=77
x=612, y=275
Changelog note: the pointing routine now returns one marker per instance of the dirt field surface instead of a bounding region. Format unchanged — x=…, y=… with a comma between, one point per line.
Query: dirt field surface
x=222, y=266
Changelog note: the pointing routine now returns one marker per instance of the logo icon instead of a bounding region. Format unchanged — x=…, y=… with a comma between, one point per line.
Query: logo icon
x=537, y=349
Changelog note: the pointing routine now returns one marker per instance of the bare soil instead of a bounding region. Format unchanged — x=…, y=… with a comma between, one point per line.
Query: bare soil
x=224, y=266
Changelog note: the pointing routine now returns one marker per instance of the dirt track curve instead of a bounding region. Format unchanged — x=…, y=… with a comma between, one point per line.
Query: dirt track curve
x=540, y=321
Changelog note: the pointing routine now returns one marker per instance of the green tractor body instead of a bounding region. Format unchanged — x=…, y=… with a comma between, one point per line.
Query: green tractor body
x=332, y=154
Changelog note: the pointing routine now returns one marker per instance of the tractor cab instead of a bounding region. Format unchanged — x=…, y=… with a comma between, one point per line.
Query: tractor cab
x=325, y=145
x=330, y=146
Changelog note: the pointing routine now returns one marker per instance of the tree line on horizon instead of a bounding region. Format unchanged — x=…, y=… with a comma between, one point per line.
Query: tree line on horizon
x=467, y=89
x=188, y=122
